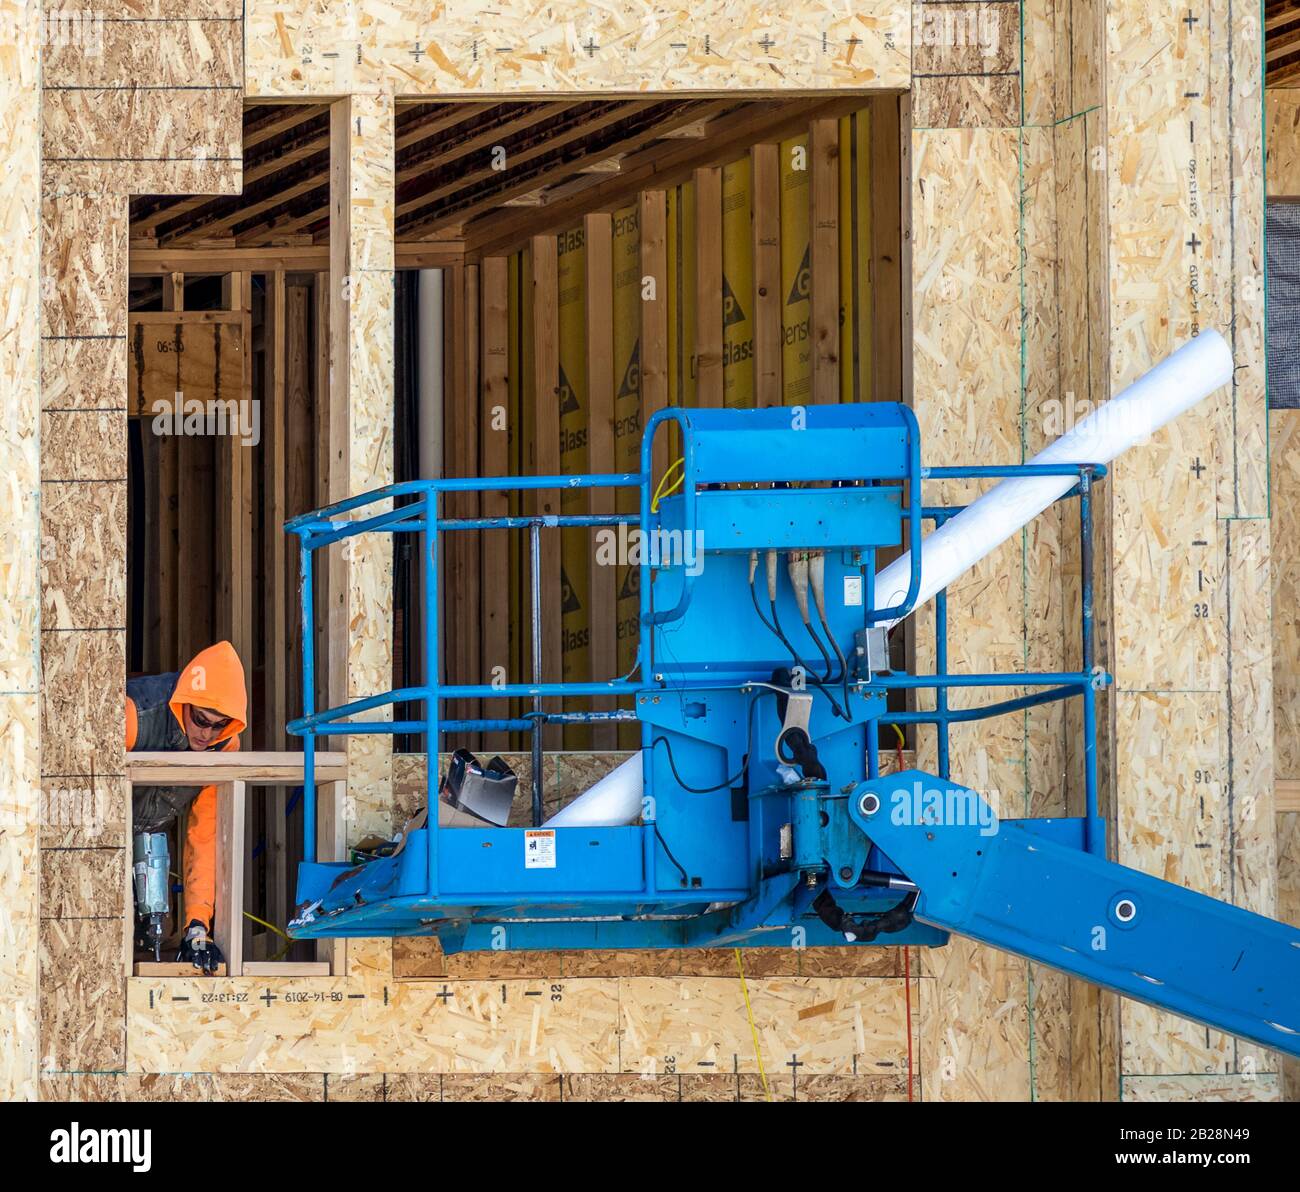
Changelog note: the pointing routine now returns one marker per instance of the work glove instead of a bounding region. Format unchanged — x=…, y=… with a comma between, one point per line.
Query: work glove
x=199, y=949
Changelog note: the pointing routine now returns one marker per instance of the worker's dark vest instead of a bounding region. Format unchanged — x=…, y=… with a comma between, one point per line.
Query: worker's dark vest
x=153, y=808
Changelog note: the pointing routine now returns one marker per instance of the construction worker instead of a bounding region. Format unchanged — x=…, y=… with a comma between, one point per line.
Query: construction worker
x=206, y=710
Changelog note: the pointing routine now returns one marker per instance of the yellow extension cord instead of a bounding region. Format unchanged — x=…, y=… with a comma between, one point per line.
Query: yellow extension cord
x=753, y=1030
x=272, y=927
x=660, y=493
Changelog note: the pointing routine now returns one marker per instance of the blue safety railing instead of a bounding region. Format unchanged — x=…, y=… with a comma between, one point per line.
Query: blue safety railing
x=416, y=512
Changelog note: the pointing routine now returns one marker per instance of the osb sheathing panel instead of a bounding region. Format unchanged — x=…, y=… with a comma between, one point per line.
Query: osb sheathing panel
x=954, y=101
x=781, y=1086
x=83, y=883
x=362, y=342
x=1167, y=554
x=202, y=174
x=115, y=123
x=81, y=703
x=84, y=263
x=83, y=525
x=1284, y=430
x=974, y=1026
x=1192, y=635
x=84, y=373
x=314, y=47
x=183, y=53
x=82, y=445
x=966, y=65
x=189, y=1087
x=1282, y=112
x=965, y=37
x=422, y=958
x=19, y=869
x=1062, y=54
x=20, y=32
x=1044, y=81
x=967, y=384
x=168, y=10
x=20, y=37
x=1173, y=823
x=398, y=1087
x=641, y=1024
x=1236, y=84
x=1264, y=1087
x=1288, y=910
x=83, y=1021
x=1252, y=843
x=94, y=114
x=83, y=811
x=1045, y=621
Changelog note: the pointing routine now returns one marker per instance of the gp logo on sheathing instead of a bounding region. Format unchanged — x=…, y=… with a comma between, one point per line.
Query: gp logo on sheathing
x=75, y=1145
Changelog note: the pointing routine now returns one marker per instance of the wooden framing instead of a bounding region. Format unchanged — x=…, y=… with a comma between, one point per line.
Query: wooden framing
x=545, y=447
x=708, y=285
x=603, y=592
x=464, y=580
x=494, y=460
x=653, y=214
x=823, y=220
x=232, y=774
x=767, y=274
x=361, y=411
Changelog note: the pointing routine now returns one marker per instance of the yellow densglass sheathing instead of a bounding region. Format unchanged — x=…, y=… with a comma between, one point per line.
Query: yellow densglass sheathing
x=527, y=424
x=863, y=296
x=737, y=285
x=519, y=641
x=848, y=322
x=796, y=265
x=627, y=427
x=575, y=548
x=688, y=297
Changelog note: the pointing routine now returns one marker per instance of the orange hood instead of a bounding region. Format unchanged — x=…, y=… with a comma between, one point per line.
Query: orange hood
x=214, y=678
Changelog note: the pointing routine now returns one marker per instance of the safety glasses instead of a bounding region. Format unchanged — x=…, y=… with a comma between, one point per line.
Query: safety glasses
x=202, y=721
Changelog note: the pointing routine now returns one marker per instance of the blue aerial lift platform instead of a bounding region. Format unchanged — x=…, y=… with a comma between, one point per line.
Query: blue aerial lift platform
x=762, y=678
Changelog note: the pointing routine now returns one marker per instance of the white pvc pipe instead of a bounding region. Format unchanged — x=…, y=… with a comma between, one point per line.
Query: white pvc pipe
x=614, y=800
x=429, y=351
x=1193, y=372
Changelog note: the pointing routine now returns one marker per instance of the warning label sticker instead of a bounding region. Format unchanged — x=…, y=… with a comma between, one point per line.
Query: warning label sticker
x=539, y=849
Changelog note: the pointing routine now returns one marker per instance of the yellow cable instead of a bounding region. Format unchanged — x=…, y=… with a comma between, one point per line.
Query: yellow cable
x=753, y=1030
x=272, y=927
x=268, y=926
x=659, y=492
x=902, y=740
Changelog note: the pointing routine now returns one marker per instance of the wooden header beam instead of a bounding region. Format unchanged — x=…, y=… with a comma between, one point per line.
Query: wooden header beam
x=204, y=769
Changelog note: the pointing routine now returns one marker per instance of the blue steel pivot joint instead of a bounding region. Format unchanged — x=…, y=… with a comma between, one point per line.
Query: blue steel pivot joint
x=761, y=687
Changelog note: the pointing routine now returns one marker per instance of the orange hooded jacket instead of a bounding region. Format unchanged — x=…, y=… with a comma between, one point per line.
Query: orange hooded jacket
x=213, y=679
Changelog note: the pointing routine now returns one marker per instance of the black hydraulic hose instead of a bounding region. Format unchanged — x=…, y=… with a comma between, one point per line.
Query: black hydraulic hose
x=826, y=658
x=844, y=666
x=799, y=662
